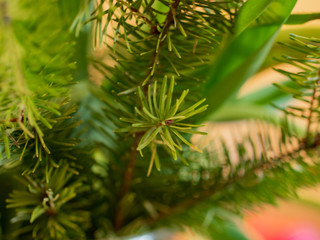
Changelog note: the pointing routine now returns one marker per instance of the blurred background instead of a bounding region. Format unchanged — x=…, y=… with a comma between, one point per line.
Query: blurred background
x=297, y=219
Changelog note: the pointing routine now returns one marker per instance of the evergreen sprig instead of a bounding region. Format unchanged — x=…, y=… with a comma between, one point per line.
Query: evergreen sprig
x=37, y=133
x=162, y=38
x=305, y=86
x=160, y=120
x=35, y=72
x=48, y=207
x=181, y=37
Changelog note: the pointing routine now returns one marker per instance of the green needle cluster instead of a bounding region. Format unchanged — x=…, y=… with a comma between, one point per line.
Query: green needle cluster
x=161, y=121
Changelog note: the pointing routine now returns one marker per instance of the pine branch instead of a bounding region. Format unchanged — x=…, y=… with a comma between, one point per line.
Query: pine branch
x=170, y=19
x=306, y=84
x=146, y=44
x=36, y=113
x=48, y=205
x=128, y=175
x=265, y=165
x=246, y=172
x=313, y=105
x=33, y=83
x=131, y=164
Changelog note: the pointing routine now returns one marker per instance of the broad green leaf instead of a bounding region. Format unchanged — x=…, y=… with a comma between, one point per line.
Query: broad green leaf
x=244, y=54
x=249, y=13
x=302, y=18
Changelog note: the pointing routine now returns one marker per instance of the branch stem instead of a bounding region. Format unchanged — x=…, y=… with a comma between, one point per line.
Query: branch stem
x=119, y=218
x=119, y=215
x=310, y=115
x=167, y=23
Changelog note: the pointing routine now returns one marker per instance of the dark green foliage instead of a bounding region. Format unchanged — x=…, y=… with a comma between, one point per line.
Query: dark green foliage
x=36, y=76
x=47, y=205
x=35, y=69
x=73, y=148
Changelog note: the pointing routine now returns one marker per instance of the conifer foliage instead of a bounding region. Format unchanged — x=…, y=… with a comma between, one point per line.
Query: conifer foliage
x=81, y=160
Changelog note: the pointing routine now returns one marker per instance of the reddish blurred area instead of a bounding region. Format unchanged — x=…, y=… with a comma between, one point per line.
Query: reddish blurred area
x=289, y=220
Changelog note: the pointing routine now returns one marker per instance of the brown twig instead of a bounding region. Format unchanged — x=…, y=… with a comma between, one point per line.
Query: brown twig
x=137, y=12
x=168, y=22
x=311, y=110
x=119, y=215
